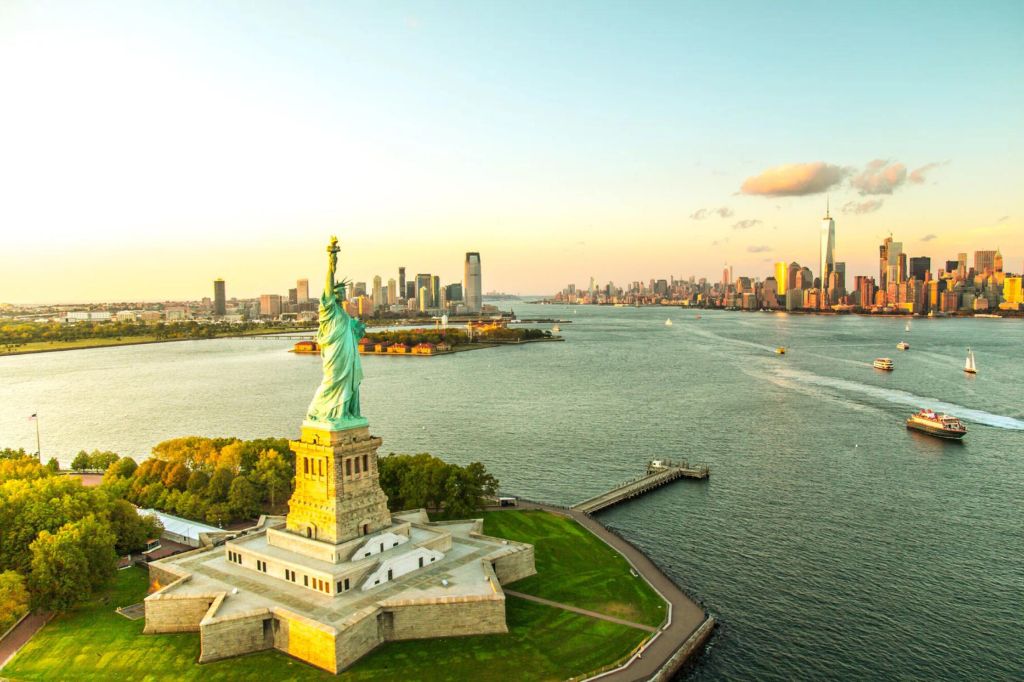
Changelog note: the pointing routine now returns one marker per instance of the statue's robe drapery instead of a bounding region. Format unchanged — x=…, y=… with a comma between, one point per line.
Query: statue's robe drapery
x=337, y=399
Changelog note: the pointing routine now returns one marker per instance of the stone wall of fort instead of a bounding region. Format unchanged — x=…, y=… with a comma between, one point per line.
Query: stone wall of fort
x=514, y=566
x=175, y=613
x=236, y=634
x=360, y=634
x=448, y=617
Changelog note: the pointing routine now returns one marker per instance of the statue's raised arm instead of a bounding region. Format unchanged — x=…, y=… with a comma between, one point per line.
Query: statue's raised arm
x=336, y=404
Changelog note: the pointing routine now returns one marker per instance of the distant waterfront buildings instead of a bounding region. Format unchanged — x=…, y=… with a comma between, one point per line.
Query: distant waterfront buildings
x=905, y=284
x=302, y=290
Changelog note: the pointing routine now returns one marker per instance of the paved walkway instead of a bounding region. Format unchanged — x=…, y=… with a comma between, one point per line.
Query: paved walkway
x=582, y=612
x=687, y=615
x=20, y=635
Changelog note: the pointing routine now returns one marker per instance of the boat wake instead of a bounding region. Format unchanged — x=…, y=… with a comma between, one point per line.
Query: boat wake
x=903, y=398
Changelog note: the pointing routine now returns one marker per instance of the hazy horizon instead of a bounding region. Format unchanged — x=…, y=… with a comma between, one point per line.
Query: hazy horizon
x=149, y=148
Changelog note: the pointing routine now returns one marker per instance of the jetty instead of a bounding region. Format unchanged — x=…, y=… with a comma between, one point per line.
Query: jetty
x=659, y=472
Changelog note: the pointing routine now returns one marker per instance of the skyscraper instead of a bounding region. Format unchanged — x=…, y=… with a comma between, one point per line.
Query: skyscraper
x=435, y=291
x=378, y=298
x=472, y=285
x=392, y=291
x=423, y=282
x=302, y=290
x=793, y=276
x=919, y=267
x=984, y=260
x=883, y=262
x=219, y=297
x=781, y=277
x=828, y=247
x=402, y=293
x=893, y=272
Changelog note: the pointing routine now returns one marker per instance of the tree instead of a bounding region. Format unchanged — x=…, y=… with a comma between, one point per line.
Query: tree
x=53, y=465
x=176, y=476
x=122, y=468
x=195, y=452
x=220, y=484
x=131, y=530
x=197, y=482
x=14, y=599
x=102, y=460
x=10, y=453
x=276, y=475
x=21, y=468
x=243, y=498
x=81, y=461
x=218, y=514
x=71, y=563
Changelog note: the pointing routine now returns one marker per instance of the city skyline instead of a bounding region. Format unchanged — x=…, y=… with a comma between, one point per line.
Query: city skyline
x=532, y=143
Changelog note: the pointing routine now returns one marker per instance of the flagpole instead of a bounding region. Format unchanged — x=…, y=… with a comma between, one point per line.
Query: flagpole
x=39, y=450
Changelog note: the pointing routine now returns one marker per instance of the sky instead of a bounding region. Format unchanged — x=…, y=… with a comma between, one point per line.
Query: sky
x=147, y=148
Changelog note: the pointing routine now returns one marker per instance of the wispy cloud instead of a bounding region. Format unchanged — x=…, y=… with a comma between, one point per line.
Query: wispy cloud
x=720, y=241
x=745, y=224
x=759, y=249
x=1003, y=219
x=929, y=237
x=917, y=176
x=859, y=207
x=879, y=177
x=721, y=212
x=794, y=179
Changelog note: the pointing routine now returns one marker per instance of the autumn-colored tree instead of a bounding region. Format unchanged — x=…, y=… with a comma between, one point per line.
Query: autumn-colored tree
x=14, y=599
x=175, y=476
x=197, y=482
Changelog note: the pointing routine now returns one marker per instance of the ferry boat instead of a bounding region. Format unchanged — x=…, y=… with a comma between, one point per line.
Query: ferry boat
x=883, y=363
x=903, y=345
x=939, y=425
x=969, y=366
x=781, y=350
x=668, y=322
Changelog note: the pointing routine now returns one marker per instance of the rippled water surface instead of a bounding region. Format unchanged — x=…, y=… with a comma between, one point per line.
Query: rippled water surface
x=829, y=541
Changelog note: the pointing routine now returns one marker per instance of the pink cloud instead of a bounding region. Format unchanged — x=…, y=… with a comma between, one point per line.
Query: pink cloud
x=794, y=179
x=917, y=176
x=880, y=177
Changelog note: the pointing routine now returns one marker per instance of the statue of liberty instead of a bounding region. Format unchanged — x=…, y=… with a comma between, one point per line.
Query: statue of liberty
x=336, y=403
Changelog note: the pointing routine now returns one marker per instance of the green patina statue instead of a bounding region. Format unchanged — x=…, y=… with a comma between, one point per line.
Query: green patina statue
x=336, y=403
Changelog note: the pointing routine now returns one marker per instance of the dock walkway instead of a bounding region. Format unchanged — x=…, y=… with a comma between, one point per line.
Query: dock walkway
x=657, y=476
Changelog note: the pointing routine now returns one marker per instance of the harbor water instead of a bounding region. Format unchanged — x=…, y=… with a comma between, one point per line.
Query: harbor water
x=830, y=542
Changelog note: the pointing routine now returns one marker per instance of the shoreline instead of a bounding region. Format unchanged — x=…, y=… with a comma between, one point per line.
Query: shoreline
x=145, y=341
x=1002, y=314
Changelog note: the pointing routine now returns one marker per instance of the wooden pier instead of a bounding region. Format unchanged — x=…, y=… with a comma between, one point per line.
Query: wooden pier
x=659, y=472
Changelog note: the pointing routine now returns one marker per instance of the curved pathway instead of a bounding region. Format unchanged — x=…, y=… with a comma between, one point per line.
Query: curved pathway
x=20, y=635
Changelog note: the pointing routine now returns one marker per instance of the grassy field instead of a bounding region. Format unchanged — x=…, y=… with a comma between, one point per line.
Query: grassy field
x=544, y=643
x=576, y=568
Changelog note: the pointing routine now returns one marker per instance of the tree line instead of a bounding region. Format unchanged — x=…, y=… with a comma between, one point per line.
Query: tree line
x=60, y=540
x=18, y=333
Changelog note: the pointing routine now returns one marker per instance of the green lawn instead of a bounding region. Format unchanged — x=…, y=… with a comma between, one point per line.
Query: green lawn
x=95, y=643
x=575, y=567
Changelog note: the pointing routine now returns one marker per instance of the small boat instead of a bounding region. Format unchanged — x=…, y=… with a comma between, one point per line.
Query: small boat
x=907, y=327
x=883, y=363
x=903, y=345
x=668, y=322
x=939, y=425
x=781, y=350
x=306, y=348
x=697, y=318
x=969, y=365
x=556, y=329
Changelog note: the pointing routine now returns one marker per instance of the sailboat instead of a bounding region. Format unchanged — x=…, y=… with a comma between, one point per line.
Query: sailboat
x=969, y=365
x=668, y=322
x=908, y=326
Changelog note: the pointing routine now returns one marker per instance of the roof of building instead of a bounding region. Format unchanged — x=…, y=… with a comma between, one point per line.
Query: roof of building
x=179, y=526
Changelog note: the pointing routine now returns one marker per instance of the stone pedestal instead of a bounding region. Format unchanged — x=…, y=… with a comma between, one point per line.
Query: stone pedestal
x=337, y=488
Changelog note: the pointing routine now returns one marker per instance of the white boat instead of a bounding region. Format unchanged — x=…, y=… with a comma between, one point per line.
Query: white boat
x=907, y=327
x=903, y=345
x=668, y=322
x=969, y=365
x=556, y=329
